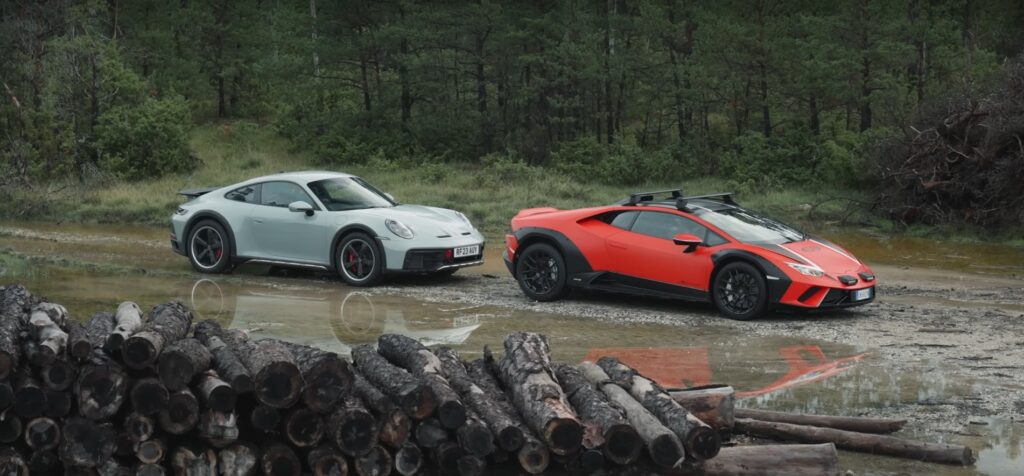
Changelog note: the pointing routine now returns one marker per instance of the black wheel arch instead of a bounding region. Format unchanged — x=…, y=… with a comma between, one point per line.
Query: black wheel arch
x=216, y=217
x=356, y=228
x=776, y=287
x=575, y=261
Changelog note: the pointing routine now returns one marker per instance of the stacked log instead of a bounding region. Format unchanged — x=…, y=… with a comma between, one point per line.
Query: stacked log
x=121, y=395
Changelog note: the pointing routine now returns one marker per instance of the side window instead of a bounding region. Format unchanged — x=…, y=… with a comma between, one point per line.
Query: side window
x=622, y=220
x=246, y=194
x=281, y=194
x=667, y=225
x=714, y=239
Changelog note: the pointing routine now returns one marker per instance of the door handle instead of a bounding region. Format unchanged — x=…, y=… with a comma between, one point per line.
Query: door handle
x=616, y=244
x=257, y=221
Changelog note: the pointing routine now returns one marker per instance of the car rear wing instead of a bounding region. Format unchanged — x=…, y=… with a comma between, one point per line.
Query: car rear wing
x=193, y=193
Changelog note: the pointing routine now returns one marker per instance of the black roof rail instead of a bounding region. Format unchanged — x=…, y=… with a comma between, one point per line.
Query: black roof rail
x=723, y=196
x=638, y=197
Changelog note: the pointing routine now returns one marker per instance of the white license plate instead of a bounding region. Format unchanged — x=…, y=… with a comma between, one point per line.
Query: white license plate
x=862, y=294
x=464, y=251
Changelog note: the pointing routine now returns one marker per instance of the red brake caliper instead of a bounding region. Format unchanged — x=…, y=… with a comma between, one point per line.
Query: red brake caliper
x=351, y=258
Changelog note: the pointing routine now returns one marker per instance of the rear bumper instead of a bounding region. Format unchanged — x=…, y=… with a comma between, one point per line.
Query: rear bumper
x=508, y=262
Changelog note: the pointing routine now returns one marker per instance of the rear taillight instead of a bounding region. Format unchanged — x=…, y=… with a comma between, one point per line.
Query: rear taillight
x=510, y=242
x=448, y=256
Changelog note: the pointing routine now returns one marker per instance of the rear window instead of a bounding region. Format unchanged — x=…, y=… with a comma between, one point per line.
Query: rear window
x=622, y=220
x=246, y=194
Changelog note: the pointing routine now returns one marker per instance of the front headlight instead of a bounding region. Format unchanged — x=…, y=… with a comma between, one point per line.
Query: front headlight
x=807, y=270
x=399, y=228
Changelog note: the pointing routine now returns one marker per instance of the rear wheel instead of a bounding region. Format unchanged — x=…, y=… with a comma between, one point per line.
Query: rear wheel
x=360, y=262
x=209, y=249
x=740, y=291
x=540, y=270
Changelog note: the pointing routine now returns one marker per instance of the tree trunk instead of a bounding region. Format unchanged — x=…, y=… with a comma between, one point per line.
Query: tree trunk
x=865, y=94
x=303, y=427
x=532, y=455
x=15, y=302
x=238, y=459
x=42, y=434
x=101, y=387
x=165, y=324
x=352, y=427
x=699, y=439
x=148, y=396
x=420, y=362
x=365, y=83
x=277, y=381
x=395, y=425
x=86, y=443
x=127, y=321
x=861, y=442
x=215, y=393
x=12, y=463
x=218, y=428
x=226, y=363
x=714, y=405
x=474, y=437
x=858, y=424
x=376, y=462
x=406, y=390
x=773, y=460
x=182, y=361
x=408, y=459
x=503, y=426
x=10, y=426
x=325, y=375
x=326, y=460
x=663, y=446
x=151, y=451
x=526, y=372
x=46, y=322
x=190, y=461
x=181, y=413
x=619, y=441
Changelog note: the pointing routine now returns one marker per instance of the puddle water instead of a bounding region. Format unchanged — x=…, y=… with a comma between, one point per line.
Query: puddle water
x=782, y=373
x=982, y=258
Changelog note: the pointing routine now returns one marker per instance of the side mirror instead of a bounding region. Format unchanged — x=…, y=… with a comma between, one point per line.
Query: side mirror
x=691, y=242
x=301, y=206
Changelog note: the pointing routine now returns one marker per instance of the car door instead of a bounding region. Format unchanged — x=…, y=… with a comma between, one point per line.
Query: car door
x=242, y=203
x=646, y=251
x=286, y=235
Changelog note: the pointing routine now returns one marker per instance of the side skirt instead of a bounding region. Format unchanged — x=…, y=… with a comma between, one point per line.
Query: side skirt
x=605, y=281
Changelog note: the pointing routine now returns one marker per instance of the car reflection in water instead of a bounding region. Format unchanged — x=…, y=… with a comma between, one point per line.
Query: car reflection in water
x=332, y=320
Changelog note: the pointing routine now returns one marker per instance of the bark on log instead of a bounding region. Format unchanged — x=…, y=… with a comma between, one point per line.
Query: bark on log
x=86, y=443
x=181, y=361
x=220, y=429
x=151, y=451
x=326, y=460
x=470, y=465
x=279, y=460
x=413, y=356
x=46, y=323
x=148, y=396
x=143, y=469
x=139, y=427
x=532, y=455
x=663, y=446
x=861, y=442
x=29, y=398
x=618, y=440
x=858, y=424
x=771, y=460
x=12, y=463
x=526, y=372
x=238, y=459
x=474, y=436
x=376, y=462
x=395, y=425
x=713, y=404
x=58, y=403
x=165, y=324
x=417, y=400
x=215, y=393
x=42, y=434
x=84, y=338
x=6, y=395
x=699, y=439
x=265, y=418
x=276, y=379
x=101, y=387
x=30, y=352
x=303, y=427
x=181, y=413
x=127, y=321
x=227, y=363
x=187, y=460
x=408, y=459
x=504, y=428
x=59, y=375
x=325, y=374
x=352, y=427
x=42, y=462
x=10, y=426
x=15, y=301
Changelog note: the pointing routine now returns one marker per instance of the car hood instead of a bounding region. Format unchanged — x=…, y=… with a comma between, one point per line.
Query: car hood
x=427, y=221
x=820, y=253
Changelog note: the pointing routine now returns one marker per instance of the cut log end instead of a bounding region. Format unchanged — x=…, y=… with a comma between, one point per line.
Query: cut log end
x=563, y=435
x=356, y=432
x=591, y=461
x=533, y=457
x=408, y=460
x=138, y=352
x=622, y=444
x=452, y=414
x=149, y=396
x=418, y=401
x=151, y=451
x=665, y=451
x=325, y=460
x=42, y=434
x=279, y=460
x=304, y=428
x=278, y=385
x=702, y=443
x=265, y=418
x=511, y=438
x=10, y=427
x=376, y=462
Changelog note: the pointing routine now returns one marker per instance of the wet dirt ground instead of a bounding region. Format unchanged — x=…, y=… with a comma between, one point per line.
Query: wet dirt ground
x=943, y=346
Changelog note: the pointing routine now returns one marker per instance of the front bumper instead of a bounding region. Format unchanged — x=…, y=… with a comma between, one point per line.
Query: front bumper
x=433, y=260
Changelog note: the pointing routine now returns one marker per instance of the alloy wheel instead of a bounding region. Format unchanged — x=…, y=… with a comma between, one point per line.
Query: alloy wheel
x=738, y=292
x=357, y=260
x=540, y=272
x=207, y=247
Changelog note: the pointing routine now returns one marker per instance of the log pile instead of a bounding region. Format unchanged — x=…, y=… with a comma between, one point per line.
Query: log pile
x=154, y=393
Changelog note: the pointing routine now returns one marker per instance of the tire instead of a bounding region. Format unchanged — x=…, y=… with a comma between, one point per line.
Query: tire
x=209, y=247
x=541, y=273
x=740, y=291
x=360, y=260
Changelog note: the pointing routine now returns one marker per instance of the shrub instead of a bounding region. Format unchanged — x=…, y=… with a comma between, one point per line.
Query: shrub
x=145, y=141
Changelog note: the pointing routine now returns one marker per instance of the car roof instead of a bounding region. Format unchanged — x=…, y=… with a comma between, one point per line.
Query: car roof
x=691, y=205
x=301, y=176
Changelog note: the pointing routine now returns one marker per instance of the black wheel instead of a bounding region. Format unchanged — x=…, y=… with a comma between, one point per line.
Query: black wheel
x=740, y=291
x=209, y=249
x=360, y=261
x=540, y=270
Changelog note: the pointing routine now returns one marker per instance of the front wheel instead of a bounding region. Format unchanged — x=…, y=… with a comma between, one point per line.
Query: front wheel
x=360, y=261
x=740, y=291
x=540, y=270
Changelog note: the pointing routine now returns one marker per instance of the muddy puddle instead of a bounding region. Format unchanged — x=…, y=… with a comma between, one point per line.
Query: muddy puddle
x=90, y=269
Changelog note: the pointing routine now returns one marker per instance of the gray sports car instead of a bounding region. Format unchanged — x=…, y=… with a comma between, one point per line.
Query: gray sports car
x=321, y=220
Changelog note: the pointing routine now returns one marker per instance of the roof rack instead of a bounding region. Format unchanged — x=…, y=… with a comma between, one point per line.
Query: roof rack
x=635, y=198
x=725, y=197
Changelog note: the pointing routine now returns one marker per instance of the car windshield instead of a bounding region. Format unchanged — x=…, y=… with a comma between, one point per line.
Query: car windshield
x=349, y=193
x=749, y=227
